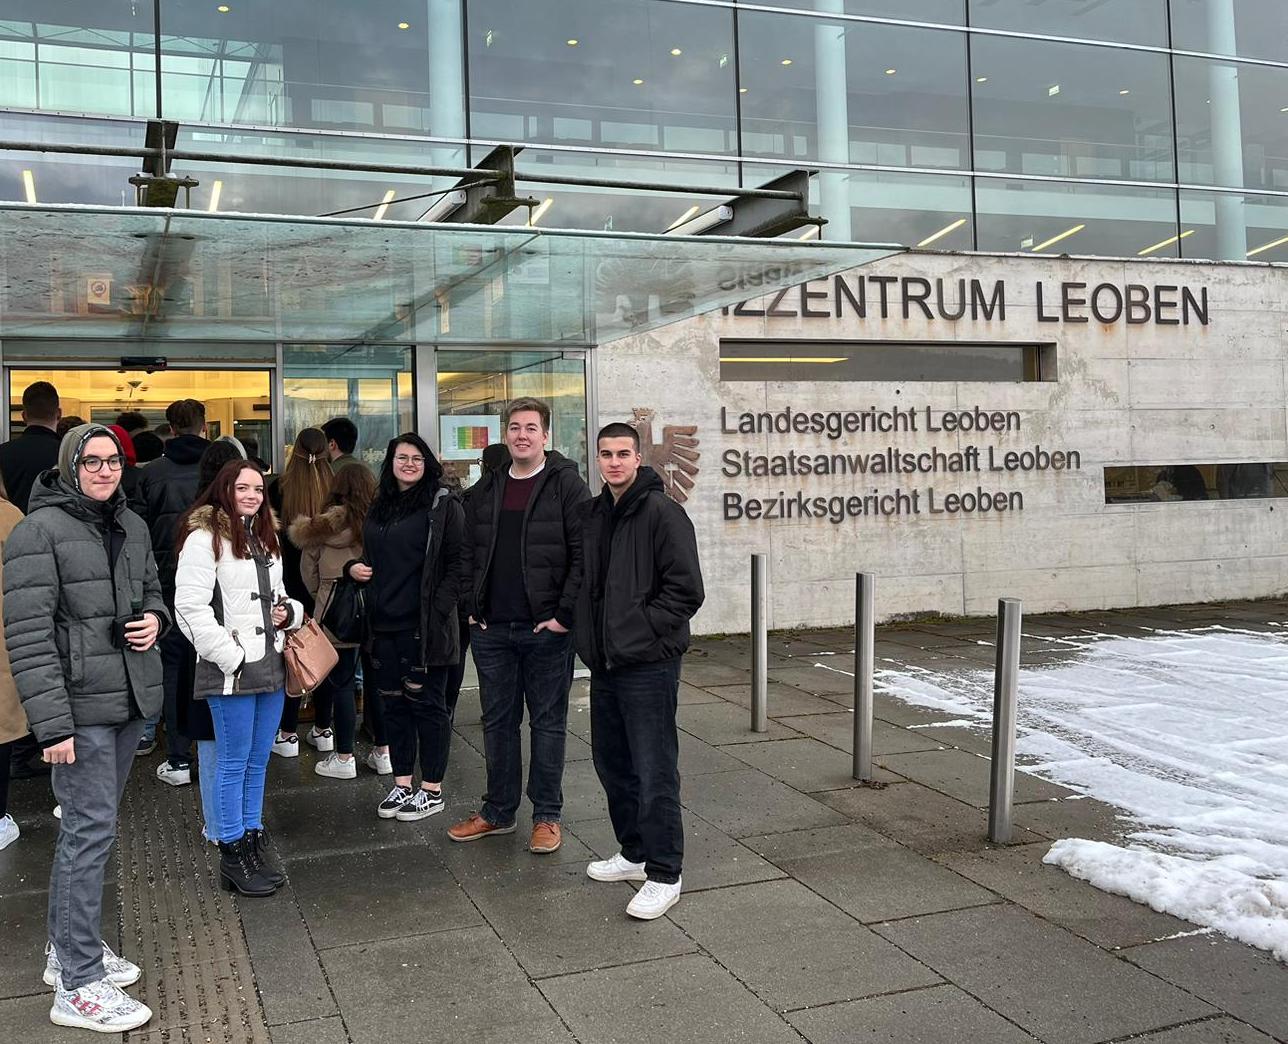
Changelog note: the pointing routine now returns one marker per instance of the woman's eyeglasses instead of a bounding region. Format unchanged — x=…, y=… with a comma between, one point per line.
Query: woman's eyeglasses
x=95, y=464
x=402, y=458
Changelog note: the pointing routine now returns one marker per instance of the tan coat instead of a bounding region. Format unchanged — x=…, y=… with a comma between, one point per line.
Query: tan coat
x=13, y=722
x=326, y=546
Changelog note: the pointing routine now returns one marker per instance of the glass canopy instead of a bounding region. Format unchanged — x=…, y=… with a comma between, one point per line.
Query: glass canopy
x=155, y=276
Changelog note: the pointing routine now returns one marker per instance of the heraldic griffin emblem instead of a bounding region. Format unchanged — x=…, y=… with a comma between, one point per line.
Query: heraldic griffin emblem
x=675, y=458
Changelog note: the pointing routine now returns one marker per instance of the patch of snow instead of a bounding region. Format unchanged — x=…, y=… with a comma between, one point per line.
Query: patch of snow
x=1186, y=731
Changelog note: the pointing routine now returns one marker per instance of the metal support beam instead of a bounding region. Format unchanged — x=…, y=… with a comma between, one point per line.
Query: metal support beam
x=482, y=200
x=759, y=216
x=759, y=643
x=864, y=647
x=1001, y=788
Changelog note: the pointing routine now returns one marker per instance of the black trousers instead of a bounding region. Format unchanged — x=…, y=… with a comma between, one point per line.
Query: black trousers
x=417, y=718
x=636, y=751
x=334, y=704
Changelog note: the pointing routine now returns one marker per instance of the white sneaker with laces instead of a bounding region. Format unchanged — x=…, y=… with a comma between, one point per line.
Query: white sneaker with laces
x=653, y=900
x=98, y=1006
x=323, y=740
x=286, y=746
x=335, y=767
x=380, y=764
x=8, y=831
x=175, y=775
x=616, y=868
x=118, y=970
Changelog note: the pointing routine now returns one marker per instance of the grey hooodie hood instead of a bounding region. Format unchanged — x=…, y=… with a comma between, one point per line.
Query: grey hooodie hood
x=72, y=448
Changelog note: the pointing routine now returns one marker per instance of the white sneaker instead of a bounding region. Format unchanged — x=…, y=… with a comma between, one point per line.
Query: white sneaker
x=8, y=831
x=176, y=776
x=380, y=764
x=653, y=900
x=323, y=741
x=98, y=1006
x=286, y=746
x=616, y=868
x=118, y=970
x=58, y=811
x=337, y=768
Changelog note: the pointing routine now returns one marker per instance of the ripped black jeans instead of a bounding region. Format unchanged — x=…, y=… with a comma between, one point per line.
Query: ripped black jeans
x=417, y=718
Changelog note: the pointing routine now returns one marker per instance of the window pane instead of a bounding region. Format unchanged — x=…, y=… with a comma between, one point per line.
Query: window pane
x=369, y=384
x=1232, y=123
x=1071, y=110
x=624, y=74
x=852, y=92
x=1232, y=226
x=1153, y=482
x=897, y=361
x=315, y=63
x=1137, y=21
x=1051, y=217
x=945, y=12
x=1249, y=28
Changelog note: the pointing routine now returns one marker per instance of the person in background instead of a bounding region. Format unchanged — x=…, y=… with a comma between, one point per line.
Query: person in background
x=167, y=488
x=13, y=722
x=82, y=613
x=642, y=584
x=67, y=423
x=341, y=440
x=132, y=421
x=251, y=445
x=330, y=541
x=299, y=492
x=164, y=432
x=413, y=567
x=147, y=447
x=25, y=457
x=524, y=561
x=130, y=473
x=231, y=602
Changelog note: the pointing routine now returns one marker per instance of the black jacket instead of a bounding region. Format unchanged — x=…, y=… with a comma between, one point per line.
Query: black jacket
x=167, y=488
x=551, y=552
x=23, y=459
x=643, y=581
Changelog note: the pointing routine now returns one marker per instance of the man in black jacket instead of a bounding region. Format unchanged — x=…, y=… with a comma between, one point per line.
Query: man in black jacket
x=642, y=584
x=36, y=450
x=523, y=568
x=167, y=488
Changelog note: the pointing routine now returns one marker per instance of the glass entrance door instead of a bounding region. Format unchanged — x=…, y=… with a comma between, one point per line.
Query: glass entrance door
x=237, y=401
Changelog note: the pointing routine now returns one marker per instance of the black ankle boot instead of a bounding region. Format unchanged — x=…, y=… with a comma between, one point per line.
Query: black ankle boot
x=257, y=844
x=239, y=873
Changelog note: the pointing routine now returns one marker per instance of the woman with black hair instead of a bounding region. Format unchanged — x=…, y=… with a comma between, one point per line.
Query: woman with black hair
x=412, y=543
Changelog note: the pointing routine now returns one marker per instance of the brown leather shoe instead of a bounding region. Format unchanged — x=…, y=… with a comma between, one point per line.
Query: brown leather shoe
x=546, y=837
x=476, y=827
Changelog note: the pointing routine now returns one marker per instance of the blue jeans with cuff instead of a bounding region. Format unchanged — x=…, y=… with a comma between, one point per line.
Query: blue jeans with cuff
x=245, y=727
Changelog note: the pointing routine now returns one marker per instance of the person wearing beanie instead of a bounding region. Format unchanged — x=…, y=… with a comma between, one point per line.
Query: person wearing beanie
x=83, y=610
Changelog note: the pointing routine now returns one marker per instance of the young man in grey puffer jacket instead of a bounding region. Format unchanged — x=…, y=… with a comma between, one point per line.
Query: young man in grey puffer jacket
x=82, y=614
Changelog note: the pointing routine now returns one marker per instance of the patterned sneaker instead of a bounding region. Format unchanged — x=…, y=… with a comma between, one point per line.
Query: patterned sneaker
x=320, y=739
x=286, y=746
x=420, y=805
x=97, y=1006
x=177, y=775
x=616, y=868
x=118, y=970
x=653, y=900
x=8, y=831
x=396, y=799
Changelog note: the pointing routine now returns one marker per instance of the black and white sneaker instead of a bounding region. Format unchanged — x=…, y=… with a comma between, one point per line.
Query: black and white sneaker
x=396, y=799
x=421, y=805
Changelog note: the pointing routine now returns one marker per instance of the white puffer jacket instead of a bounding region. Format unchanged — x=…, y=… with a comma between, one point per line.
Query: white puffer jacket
x=224, y=606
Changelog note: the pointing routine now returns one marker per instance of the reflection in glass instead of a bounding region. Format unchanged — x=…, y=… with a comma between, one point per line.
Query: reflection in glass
x=945, y=12
x=1071, y=110
x=897, y=361
x=1053, y=217
x=625, y=74
x=1145, y=483
x=474, y=387
x=370, y=384
x=1137, y=22
x=1248, y=28
x=1234, y=226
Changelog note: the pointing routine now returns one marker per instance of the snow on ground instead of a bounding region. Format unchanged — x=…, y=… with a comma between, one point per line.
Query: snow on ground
x=1188, y=732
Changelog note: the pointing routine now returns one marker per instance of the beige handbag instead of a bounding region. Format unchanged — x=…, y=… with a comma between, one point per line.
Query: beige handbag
x=310, y=656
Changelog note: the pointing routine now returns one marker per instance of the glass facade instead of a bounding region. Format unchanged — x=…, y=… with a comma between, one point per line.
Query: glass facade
x=914, y=111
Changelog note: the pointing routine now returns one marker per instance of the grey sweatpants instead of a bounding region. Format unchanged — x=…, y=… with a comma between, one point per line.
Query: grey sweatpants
x=89, y=791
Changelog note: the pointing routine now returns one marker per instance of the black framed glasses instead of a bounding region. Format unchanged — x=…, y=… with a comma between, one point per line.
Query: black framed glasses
x=95, y=464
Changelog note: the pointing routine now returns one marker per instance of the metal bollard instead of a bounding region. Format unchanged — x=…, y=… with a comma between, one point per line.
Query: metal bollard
x=864, y=645
x=1005, y=684
x=759, y=643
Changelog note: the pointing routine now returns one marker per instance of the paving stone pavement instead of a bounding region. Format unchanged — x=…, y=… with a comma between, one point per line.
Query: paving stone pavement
x=815, y=908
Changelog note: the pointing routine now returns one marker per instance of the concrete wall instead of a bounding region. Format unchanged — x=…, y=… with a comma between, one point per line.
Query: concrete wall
x=1126, y=393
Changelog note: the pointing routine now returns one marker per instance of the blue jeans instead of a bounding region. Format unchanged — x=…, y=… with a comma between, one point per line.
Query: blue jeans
x=516, y=667
x=174, y=649
x=245, y=726
x=636, y=752
x=208, y=783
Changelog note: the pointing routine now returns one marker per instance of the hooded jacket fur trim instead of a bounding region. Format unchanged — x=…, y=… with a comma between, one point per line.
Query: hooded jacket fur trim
x=327, y=545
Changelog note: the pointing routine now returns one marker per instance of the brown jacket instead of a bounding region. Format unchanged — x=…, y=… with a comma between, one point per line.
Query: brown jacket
x=327, y=545
x=13, y=722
